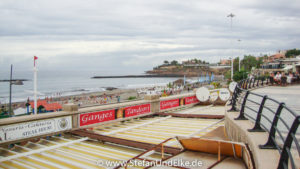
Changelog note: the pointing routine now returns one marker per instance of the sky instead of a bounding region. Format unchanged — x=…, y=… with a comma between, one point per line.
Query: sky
x=132, y=36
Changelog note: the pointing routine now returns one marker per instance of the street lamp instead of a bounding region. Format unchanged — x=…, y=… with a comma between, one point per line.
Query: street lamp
x=231, y=15
x=11, y=82
x=239, y=40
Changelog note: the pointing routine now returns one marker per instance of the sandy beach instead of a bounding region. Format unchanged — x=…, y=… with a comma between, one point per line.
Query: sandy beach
x=101, y=98
x=89, y=99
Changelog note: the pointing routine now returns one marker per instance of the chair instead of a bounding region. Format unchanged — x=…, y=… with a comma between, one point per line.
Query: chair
x=283, y=81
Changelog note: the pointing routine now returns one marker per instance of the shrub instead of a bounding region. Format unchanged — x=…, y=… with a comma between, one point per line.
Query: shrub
x=131, y=97
x=240, y=75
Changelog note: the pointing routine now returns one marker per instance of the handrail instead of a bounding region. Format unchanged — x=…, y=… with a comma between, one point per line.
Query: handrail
x=286, y=158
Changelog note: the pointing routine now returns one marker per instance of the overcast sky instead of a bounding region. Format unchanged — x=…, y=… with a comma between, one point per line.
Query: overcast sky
x=131, y=36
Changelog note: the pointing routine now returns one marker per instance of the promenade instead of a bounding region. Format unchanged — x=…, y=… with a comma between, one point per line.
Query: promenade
x=288, y=94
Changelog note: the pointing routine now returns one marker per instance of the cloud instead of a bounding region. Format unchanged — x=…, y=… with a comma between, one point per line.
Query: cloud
x=133, y=36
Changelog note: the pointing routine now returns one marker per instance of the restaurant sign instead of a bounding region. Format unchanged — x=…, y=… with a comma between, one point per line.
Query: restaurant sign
x=96, y=117
x=167, y=104
x=137, y=110
x=191, y=100
x=34, y=128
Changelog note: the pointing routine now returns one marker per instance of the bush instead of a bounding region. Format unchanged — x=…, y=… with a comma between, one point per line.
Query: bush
x=240, y=75
x=216, y=84
x=131, y=98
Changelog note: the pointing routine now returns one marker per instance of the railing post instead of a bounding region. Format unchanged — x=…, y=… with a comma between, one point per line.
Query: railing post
x=246, y=84
x=254, y=82
x=257, y=127
x=270, y=143
x=284, y=157
x=233, y=94
x=249, y=85
x=234, y=98
x=244, y=81
x=242, y=112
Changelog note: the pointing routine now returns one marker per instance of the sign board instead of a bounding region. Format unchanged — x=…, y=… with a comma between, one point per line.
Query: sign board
x=137, y=110
x=224, y=94
x=191, y=100
x=232, y=86
x=96, y=117
x=202, y=94
x=213, y=96
x=169, y=104
x=34, y=128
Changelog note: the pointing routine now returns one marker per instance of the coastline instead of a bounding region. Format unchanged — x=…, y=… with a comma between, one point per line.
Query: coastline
x=88, y=99
x=140, y=76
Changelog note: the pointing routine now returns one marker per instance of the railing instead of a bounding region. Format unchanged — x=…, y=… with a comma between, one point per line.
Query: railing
x=269, y=116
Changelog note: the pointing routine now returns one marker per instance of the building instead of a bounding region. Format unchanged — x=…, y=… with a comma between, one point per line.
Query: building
x=286, y=63
x=43, y=106
x=278, y=56
x=224, y=62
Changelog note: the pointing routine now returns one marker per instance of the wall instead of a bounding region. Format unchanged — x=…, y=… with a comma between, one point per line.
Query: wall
x=72, y=118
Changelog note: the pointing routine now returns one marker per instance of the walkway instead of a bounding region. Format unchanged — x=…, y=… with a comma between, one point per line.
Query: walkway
x=289, y=94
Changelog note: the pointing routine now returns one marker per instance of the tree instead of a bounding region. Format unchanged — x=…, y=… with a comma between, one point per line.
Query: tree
x=239, y=75
x=227, y=74
x=292, y=53
x=166, y=62
x=174, y=62
x=260, y=61
x=248, y=62
x=236, y=64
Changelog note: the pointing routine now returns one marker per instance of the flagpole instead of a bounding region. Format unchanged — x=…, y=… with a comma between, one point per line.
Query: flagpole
x=35, y=86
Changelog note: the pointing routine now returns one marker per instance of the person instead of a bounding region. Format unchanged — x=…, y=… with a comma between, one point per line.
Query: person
x=289, y=78
x=283, y=79
x=297, y=77
x=277, y=78
x=271, y=78
x=119, y=98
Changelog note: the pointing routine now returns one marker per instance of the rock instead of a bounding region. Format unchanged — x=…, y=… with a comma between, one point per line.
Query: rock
x=111, y=88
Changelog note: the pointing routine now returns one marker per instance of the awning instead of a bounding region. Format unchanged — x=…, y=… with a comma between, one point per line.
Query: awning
x=288, y=67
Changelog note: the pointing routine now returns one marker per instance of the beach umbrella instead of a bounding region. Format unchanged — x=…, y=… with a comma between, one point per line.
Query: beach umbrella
x=207, y=77
x=294, y=67
x=212, y=76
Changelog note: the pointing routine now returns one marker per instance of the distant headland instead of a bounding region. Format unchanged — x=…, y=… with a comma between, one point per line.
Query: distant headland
x=139, y=76
x=13, y=80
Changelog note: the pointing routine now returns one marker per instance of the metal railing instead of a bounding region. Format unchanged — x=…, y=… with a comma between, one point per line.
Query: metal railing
x=270, y=116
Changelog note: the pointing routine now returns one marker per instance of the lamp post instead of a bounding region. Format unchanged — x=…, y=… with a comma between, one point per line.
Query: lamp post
x=231, y=15
x=239, y=40
x=11, y=82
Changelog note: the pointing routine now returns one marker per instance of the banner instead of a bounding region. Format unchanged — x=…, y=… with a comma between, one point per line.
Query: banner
x=34, y=128
x=191, y=100
x=96, y=117
x=169, y=104
x=137, y=110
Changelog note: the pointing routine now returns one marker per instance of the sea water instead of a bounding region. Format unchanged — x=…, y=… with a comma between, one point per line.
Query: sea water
x=58, y=83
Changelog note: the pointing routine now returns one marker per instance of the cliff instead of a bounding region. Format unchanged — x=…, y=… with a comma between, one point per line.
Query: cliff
x=179, y=71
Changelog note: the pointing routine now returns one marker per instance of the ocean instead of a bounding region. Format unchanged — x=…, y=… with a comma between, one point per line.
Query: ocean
x=65, y=83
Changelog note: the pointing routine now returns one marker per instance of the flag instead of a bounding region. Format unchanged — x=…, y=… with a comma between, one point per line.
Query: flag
x=34, y=58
